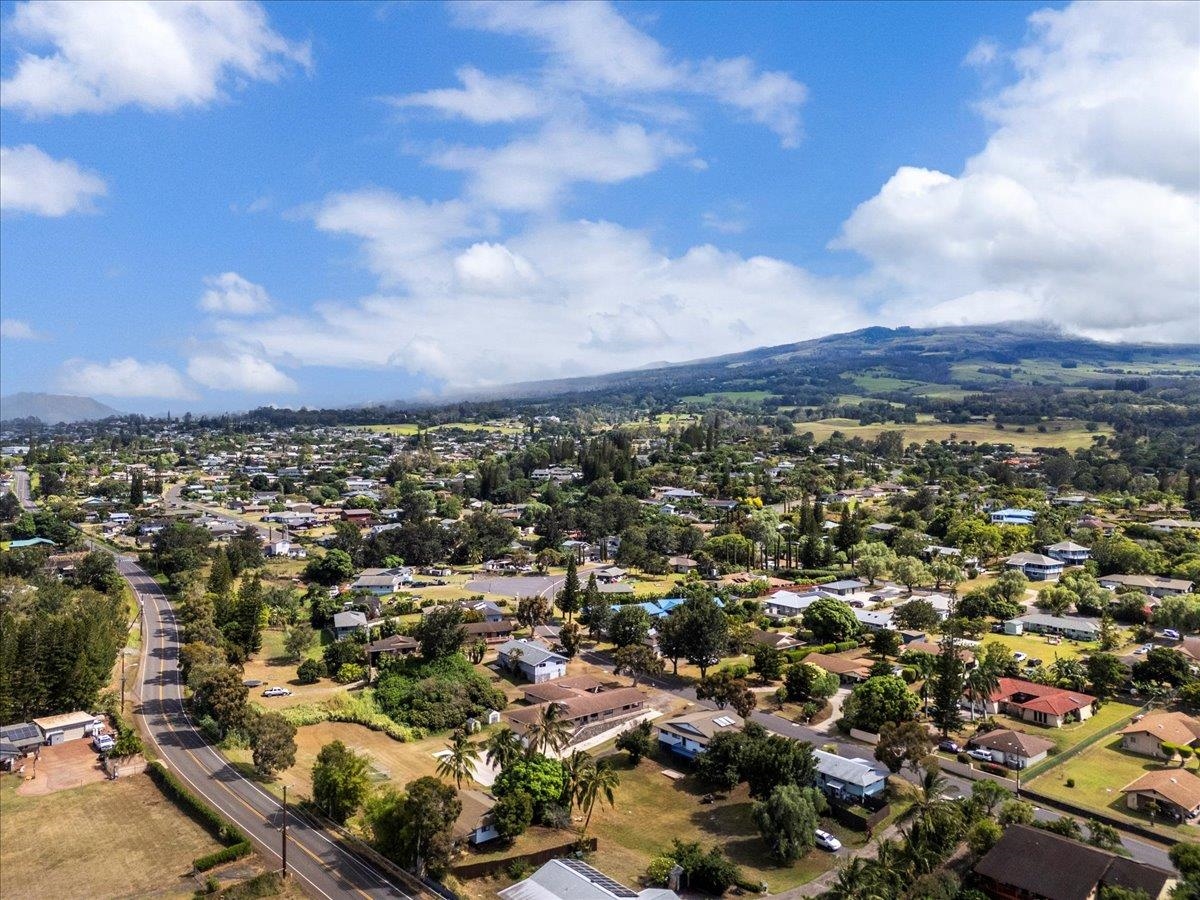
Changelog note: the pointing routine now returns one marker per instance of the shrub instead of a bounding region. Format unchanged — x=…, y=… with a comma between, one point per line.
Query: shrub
x=963, y=758
x=842, y=646
x=348, y=673
x=222, y=856
x=994, y=769
x=1070, y=782
x=311, y=671
x=659, y=870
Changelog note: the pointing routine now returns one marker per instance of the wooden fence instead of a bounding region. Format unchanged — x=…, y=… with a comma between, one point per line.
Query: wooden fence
x=467, y=871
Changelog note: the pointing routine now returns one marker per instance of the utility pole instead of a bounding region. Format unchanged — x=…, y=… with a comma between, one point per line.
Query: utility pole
x=284, y=853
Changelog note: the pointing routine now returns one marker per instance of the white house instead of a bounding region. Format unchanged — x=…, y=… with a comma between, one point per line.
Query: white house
x=534, y=661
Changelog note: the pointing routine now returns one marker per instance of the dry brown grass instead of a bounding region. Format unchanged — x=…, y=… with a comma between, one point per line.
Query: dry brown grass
x=113, y=839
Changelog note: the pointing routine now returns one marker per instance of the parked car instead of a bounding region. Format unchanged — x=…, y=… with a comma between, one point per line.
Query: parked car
x=103, y=742
x=1144, y=649
x=950, y=746
x=277, y=692
x=827, y=841
x=1033, y=663
x=982, y=755
x=1171, y=633
x=1020, y=657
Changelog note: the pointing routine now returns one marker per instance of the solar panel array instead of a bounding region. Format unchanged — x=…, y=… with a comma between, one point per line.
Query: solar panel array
x=22, y=732
x=723, y=721
x=599, y=879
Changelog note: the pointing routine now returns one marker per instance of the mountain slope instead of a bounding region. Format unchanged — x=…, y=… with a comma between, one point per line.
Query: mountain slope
x=53, y=408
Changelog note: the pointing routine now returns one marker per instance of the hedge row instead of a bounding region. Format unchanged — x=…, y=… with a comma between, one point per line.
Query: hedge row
x=236, y=843
x=798, y=654
x=222, y=856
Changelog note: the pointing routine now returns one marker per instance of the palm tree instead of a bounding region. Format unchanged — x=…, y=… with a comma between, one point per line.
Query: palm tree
x=982, y=682
x=573, y=768
x=502, y=748
x=851, y=881
x=459, y=762
x=549, y=732
x=595, y=782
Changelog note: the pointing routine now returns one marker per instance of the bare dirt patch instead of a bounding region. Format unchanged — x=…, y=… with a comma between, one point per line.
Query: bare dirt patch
x=70, y=765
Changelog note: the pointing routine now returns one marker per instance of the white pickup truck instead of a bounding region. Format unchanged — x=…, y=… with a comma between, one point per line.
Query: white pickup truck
x=104, y=742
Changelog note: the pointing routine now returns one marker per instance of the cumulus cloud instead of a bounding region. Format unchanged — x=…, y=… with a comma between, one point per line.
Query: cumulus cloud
x=33, y=182
x=231, y=294
x=97, y=57
x=238, y=372
x=481, y=99
x=534, y=172
x=17, y=330
x=1083, y=206
x=593, y=49
x=560, y=299
x=127, y=377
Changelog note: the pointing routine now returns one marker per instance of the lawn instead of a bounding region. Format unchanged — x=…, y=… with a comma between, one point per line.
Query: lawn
x=1070, y=434
x=729, y=397
x=101, y=840
x=1099, y=773
x=651, y=810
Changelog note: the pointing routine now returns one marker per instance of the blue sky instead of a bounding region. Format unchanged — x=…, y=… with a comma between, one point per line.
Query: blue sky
x=339, y=203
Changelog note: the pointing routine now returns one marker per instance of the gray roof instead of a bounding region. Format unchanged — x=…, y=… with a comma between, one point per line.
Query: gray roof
x=573, y=879
x=850, y=771
x=531, y=653
x=1072, y=622
x=349, y=619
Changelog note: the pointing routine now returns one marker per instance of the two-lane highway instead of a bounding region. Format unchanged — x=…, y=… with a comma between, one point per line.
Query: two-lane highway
x=323, y=867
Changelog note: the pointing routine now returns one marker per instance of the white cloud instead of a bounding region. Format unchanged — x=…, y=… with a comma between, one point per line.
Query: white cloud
x=156, y=55
x=32, y=182
x=594, y=50
x=485, y=268
x=1083, y=206
x=534, y=172
x=126, y=377
x=983, y=54
x=724, y=223
x=231, y=294
x=562, y=299
x=238, y=372
x=481, y=99
x=17, y=330
x=405, y=238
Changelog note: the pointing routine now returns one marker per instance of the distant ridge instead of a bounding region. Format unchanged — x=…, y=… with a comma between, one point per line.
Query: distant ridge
x=53, y=409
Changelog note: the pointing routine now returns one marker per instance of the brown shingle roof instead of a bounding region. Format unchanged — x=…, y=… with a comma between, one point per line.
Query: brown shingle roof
x=1172, y=727
x=1179, y=786
x=1018, y=743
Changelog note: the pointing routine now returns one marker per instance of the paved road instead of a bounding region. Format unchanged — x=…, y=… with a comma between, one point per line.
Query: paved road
x=1142, y=851
x=322, y=867
x=21, y=488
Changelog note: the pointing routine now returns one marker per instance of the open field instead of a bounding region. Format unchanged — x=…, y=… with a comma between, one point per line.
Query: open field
x=102, y=840
x=651, y=809
x=1099, y=774
x=1070, y=434
x=729, y=397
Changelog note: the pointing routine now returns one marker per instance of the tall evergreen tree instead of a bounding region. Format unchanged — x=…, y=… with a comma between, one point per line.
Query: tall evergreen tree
x=570, y=597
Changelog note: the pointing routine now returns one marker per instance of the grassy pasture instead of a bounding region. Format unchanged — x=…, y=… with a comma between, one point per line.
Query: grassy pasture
x=1070, y=434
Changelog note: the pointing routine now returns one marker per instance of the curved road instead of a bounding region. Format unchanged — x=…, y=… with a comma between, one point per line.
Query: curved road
x=323, y=868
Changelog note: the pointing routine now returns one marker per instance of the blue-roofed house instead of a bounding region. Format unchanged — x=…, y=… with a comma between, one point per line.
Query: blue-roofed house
x=30, y=542
x=1010, y=516
x=848, y=779
x=655, y=609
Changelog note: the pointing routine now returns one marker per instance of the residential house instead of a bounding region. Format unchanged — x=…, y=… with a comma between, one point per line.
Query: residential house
x=474, y=823
x=382, y=582
x=490, y=632
x=689, y=735
x=849, y=780
x=773, y=639
x=1069, y=553
x=348, y=622
x=849, y=668
x=1012, y=517
x=788, y=604
x=1154, y=585
x=1175, y=525
x=359, y=517
x=573, y=879
x=1041, y=704
x=610, y=574
x=1036, y=864
x=843, y=587
x=396, y=645
x=1035, y=566
x=1147, y=735
x=588, y=712
x=681, y=565
x=535, y=662
x=1014, y=749
x=486, y=609
x=1171, y=792
x=874, y=619
x=1071, y=627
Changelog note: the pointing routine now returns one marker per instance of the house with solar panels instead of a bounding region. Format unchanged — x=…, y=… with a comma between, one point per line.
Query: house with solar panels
x=16, y=741
x=689, y=735
x=573, y=879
